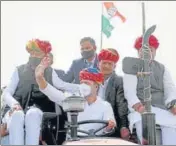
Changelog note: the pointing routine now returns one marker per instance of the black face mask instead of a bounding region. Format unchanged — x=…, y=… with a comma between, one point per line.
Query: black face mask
x=34, y=62
x=88, y=54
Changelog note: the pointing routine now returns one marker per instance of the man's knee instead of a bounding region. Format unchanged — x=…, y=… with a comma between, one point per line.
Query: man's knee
x=33, y=114
x=16, y=120
x=18, y=115
x=168, y=135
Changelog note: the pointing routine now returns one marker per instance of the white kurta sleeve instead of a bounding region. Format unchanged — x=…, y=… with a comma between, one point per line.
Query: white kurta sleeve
x=130, y=86
x=10, y=90
x=53, y=94
x=108, y=112
x=82, y=89
x=60, y=84
x=169, y=87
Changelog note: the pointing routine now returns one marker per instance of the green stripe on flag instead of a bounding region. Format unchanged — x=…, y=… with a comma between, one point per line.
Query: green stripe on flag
x=106, y=26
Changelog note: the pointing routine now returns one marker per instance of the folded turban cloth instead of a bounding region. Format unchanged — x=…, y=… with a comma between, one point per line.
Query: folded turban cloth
x=108, y=55
x=38, y=46
x=91, y=74
x=153, y=42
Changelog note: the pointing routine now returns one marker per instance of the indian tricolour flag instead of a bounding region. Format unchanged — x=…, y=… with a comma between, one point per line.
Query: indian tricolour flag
x=109, y=12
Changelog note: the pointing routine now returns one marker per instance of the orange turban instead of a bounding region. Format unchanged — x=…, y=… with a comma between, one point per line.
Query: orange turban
x=38, y=46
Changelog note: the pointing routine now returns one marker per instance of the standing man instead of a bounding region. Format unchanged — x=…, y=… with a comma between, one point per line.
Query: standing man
x=25, y=100
x=89, y=59
x=111, y=89
x=163, y=95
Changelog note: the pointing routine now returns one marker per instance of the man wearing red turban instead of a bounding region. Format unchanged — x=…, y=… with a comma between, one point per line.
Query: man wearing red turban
x=153, y=45
x=111, y=89
x=163, y=93
x=24, y=98
x=95, y=108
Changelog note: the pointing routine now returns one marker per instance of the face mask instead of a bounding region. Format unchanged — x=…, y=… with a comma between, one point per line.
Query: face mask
x=85, y=90
x=88, y=54
x=34, y=62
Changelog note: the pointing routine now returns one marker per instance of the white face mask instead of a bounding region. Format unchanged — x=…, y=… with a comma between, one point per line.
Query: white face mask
x=85, y=90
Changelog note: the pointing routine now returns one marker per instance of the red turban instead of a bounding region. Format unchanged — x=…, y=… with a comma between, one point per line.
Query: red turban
x=91, y=74
x=109, y=55
x=38, y=45
x=153, y=42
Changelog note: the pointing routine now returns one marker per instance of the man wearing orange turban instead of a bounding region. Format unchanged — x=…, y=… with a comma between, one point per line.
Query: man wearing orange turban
x=95, y=108
x=163, y=94
x=24, y=98
x=111, y=89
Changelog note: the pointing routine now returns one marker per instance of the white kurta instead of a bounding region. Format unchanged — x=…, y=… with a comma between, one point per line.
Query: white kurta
x=163, y=117
x=99, y=110
x=57, y=82
x=32, y=119
x=102, y=88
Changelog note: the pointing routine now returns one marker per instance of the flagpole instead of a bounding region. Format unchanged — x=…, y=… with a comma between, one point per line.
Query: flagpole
x=101, y=34
x=148, y=117
x=143, y=18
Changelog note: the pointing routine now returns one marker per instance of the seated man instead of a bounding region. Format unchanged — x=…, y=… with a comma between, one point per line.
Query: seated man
x=163, y=94
x=24, y=99
x=111, y=89
x=95, y=109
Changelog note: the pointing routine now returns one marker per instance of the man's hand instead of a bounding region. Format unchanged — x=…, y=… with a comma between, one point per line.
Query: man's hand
x=42, y=83
x=16, y=107
x=173, y=109
x=3, y=130
x=39, y=72
x=139, y=107
x=45, y=63
x=111, y=124
x=125, y=133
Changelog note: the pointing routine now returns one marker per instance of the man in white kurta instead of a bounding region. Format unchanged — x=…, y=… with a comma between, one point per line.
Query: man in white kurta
x=166, y=118
x=15, y=118
x=95, y=108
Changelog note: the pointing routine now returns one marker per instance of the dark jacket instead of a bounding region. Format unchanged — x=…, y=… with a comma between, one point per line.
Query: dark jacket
x=72, y=75
x=114, y=94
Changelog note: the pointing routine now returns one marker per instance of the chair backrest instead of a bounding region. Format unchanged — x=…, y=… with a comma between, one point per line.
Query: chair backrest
x=58, y=109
